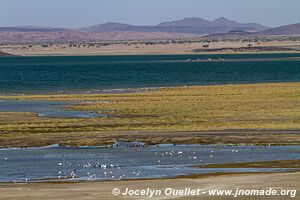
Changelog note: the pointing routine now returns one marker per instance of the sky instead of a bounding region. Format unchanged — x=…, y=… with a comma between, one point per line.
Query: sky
x=82, y=13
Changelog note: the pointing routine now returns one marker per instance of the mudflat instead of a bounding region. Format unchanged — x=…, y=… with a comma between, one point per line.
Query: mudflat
x=103, y=190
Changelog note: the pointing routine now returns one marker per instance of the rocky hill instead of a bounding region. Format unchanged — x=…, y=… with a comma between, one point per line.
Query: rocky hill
x=292, y=29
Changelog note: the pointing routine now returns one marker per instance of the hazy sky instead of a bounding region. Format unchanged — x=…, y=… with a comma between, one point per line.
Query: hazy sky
x=79, y=13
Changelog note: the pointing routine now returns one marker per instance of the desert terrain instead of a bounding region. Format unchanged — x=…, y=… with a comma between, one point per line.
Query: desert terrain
x=158, y=47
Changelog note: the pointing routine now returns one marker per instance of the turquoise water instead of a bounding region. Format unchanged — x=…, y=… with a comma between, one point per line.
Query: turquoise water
x=20, y=75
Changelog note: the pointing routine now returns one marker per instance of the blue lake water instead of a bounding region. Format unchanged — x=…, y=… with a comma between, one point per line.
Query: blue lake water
x=123, y=162
x=45, y=109
x=20, y=75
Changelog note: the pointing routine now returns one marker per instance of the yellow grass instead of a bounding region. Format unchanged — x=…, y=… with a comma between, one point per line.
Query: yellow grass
x=198, y=108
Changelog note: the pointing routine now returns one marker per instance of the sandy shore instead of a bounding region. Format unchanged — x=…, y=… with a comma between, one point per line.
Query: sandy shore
x=103, y=190
x=142, y=49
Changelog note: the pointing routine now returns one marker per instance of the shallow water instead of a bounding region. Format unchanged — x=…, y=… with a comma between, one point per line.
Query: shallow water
x=45, y=109
x=122, y=162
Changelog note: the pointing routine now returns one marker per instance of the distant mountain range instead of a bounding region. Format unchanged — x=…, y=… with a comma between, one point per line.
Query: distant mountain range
x=184, y=28
x=193, y=25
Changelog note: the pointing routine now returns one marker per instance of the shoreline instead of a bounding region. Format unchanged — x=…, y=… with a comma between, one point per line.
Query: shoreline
x=128, y=90
x=193, y=47
x=150, y=54
x=210, y=137
x=103, y=190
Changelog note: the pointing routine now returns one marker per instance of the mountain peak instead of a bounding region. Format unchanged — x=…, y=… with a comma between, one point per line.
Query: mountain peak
x=222, y=21
x=187, y=22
